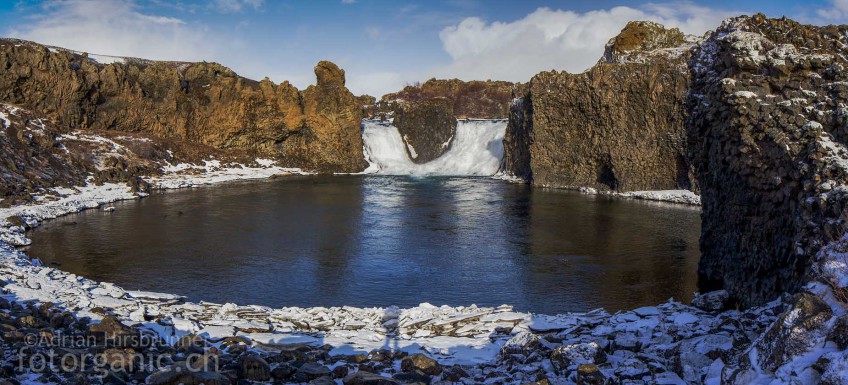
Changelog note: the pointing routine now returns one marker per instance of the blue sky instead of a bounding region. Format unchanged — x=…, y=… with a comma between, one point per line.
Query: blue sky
x=381, y=44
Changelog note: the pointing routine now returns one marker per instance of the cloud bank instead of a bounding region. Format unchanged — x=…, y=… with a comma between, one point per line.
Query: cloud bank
x=116, y=27
x=555, y=39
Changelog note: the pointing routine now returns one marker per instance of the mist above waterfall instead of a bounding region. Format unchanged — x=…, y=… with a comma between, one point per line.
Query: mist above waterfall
x=476, y=150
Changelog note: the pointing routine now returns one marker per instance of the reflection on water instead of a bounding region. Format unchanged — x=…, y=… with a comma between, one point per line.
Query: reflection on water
x=380, y=241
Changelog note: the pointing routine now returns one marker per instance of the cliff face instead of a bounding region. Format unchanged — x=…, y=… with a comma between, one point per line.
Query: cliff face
x=205, y=103
x=617, y=127
x=767, y=134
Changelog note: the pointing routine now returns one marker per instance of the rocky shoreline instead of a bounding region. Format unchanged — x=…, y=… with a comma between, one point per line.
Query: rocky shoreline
x=426, y=344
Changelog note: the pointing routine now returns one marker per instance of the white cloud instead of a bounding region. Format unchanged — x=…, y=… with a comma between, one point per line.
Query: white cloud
x=837, y=12
x=236, y=5
x=116, y=27
x=375, y=83
x=555, y=39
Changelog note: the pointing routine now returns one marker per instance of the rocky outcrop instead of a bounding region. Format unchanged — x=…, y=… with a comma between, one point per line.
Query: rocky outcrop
x=617, y=127
x=204, y=103
x=427, y=128
x=767, y=135
x=468, y=99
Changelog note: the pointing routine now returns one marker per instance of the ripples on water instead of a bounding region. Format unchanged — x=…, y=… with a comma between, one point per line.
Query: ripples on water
x=380, y=241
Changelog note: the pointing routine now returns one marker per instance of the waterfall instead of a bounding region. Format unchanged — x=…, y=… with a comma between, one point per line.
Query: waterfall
x=477, y=149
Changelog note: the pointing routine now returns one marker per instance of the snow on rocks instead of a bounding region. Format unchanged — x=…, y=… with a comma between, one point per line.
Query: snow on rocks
x=674, y=196
x=489, y=343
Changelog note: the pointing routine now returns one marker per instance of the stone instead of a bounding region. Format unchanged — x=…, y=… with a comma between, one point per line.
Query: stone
x=454, y=373
x=365, y=378
x=589, y=374
x=113, y=332
x=565, y=357
x=125, y=360
x=254, y=368
x=283, y=372
x=322, y=381
x=713, y=301
x=795, y=331
x=414, y=376
x=340, y=371
x=310, y=371
x=176, y=375
x=421, y=362
x=839, y=333
x=524, y=343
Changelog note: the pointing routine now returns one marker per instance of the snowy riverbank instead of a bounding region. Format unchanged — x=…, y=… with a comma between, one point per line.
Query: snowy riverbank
x=668, y=343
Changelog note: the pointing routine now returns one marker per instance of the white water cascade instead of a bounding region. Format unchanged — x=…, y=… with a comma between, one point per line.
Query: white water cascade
x=476, y=150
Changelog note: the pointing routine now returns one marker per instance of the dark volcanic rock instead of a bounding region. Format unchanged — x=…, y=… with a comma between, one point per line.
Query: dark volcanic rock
x=619, y=126
x=471, y=99
x=427, y=128
x=767, y=133
x=204, y=103
x=795, y=331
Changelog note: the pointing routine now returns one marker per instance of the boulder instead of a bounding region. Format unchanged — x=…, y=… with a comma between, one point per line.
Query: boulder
x=111, y=331
x=310, y=371
x=421, y=362
x=254, y=368
x=713, y=301
x=839, y=333
x=568, y=357
x=589, y=374
x=179, y=374
x=795, y=332
x=365, y=378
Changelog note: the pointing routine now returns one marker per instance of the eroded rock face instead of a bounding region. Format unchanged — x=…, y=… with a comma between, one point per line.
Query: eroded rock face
x=767, y=134
x=427, y=128
x=204, y=103
x=617, y=127
x=471, y=99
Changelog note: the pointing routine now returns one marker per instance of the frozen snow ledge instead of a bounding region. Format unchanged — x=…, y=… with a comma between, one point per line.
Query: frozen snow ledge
x=674, y=196
x=685, y=197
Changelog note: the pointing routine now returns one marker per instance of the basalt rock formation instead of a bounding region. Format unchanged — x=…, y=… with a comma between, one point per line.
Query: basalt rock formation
x=617, y=127
x=205, y=103
x=37, y=155
x=767, y=134
x=471, y=99
x=427, y=128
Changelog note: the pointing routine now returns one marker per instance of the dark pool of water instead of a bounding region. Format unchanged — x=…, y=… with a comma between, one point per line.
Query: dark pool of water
x=380, y=241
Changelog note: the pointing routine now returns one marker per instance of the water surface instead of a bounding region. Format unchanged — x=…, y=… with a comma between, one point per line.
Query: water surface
x=381, y=241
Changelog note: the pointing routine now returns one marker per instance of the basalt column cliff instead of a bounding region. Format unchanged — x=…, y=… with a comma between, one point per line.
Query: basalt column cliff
x=206, y=103
x=767, y=135
x=617, y=127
